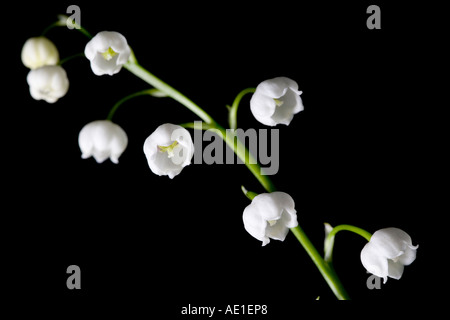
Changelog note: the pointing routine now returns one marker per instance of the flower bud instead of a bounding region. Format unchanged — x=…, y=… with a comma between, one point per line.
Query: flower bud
x=38, y=52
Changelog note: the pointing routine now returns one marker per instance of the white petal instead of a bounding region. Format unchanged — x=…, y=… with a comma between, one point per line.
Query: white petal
x=278, y=231
x=408, y=256
x=289, y=218
x=391, y=242
x=253, y=222
x=292, y=104
x=100, y=156
x=395, y=269
x=374, y=262
x=276, y=87
x=268, y=206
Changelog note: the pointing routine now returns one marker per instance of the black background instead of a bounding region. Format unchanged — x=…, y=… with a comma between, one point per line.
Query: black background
x=365, y=151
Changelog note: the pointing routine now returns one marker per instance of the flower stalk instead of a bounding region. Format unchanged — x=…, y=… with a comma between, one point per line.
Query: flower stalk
x=170, y=148
x=152, y=92
x=329, y=239
x=325, y=269
x=145, y=75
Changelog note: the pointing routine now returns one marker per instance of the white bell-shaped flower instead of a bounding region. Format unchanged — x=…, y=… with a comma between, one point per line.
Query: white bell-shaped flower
x=270, y=215
x=168, y=150
x=48, y=83
x=108, y=51
x=276, y=101
x=387, y=252
x=102, y=139
x=38, y=52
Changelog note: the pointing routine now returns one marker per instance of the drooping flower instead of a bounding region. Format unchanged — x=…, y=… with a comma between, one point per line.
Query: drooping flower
x=387, y=252
x=168, y=150
x=270, y=215
x=102, y=139
x=38, y=52
x=48, y=83
x=276, y=101
x=108, y=51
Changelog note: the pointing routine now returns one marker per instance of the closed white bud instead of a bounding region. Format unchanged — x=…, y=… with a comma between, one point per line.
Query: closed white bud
x=38, y=52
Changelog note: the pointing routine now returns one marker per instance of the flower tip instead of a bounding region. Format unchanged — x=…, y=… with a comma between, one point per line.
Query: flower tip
x=328, y=228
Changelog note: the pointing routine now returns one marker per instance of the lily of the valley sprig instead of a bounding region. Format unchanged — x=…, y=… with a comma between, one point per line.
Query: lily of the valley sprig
x=271, y=214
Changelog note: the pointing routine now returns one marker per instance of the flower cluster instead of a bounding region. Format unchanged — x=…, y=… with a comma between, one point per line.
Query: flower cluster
x=169, y=149
x=47, y=80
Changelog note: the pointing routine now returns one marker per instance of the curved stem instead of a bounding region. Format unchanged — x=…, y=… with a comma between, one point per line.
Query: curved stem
x=363, y=233
x=133, y=95
x=329, y=240
x=230, y=138
x=63, y=22
x=54, y=24
x=81, y=54
x=232, y=115
x=132, y=65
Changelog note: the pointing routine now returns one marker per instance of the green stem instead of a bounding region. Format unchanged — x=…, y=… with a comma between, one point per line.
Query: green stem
x=142, y=73
x=132, y=65
x=246, y=157
x=63, y=22
x=54, y=24
x=249, y=194
x=363, y=233
x=232, y=115
x=325, y=269
x=329, y=240
x=133, y=95
x=230, y=138
x=81, y=54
